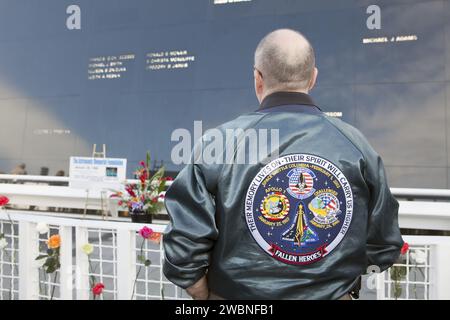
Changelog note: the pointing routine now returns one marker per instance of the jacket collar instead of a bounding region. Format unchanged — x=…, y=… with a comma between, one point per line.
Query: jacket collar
x=292, y=101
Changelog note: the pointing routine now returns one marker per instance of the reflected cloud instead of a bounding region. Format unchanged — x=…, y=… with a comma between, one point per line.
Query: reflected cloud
x=31, y=132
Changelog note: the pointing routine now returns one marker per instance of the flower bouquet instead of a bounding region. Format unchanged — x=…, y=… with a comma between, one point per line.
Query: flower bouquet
x=142, y=199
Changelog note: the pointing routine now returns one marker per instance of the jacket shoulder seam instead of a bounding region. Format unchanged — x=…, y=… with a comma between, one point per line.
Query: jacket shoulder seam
x=346, y=137
x=235, y=147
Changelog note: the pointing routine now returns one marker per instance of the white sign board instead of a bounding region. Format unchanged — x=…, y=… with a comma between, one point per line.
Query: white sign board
x=97, y=173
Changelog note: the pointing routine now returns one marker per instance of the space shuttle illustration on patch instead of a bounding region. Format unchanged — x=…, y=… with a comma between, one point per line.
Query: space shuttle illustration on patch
x=301, y=184
x=299, y=232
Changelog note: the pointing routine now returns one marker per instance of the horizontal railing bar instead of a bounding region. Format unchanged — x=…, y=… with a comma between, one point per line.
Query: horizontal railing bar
x=404, y=192
x=407, y=192
x=76, y=222
x=34, y=178
x=408, y=282
x=412, y=214
x=96, y=228
x=425, y=193
x=426, y=240
x=15, y=177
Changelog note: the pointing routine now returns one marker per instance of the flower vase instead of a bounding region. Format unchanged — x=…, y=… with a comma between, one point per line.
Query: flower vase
x=141, y=217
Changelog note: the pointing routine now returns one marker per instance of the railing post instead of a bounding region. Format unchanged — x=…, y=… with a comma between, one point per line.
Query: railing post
x=66, y=271
x=28, y=269
x=82, y=271
x=161, y=273
x=439, y=275
x=381, y=285
x=126, y=263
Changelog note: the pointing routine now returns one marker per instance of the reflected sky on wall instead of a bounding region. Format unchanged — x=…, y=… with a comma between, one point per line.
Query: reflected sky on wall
x=397, y=94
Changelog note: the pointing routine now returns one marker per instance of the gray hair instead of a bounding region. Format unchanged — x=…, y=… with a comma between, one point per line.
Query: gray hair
x=286, y=60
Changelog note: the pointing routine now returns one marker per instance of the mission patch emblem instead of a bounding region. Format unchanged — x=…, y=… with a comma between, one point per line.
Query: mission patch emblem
x=298, y=208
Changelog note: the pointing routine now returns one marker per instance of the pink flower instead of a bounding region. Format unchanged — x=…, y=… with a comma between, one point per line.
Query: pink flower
x=143, y=164
x=168, y=178
x=98, y=289
x=3, y=201
x=146, y=232
x=404, y=248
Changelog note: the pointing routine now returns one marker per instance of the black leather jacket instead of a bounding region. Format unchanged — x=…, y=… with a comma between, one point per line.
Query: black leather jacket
x=303, y=225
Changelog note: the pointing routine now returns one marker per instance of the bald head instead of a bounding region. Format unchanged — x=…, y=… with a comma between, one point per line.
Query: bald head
x=286, y=61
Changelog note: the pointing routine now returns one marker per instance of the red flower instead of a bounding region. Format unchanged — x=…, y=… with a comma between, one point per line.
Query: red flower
x=168, y=178
x=116, y=195
x=155, y=200
x=130, y=191
x=146, y=232
x=98, y=289
x=405, y=248
x=3, y=201
x=143, y=176
x=143, y=164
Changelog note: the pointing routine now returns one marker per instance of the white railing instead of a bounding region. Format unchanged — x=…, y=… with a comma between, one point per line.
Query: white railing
x=117, y=247
x=423, y=273
x=40, y=191
x=114, y=262
x=421, y=214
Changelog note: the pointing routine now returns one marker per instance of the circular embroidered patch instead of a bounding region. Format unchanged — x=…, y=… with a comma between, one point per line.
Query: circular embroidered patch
x=275, y=206
x=298, y=208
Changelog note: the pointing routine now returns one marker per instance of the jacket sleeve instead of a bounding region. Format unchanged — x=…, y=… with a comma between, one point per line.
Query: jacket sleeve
x=192, y=232
x=384, y=239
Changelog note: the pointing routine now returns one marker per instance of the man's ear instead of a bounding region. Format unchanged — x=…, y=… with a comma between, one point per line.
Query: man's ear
x=259, y=85
x=312, y=83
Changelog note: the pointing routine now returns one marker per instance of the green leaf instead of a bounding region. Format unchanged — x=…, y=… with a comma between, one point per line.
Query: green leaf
x=162, y=186
x=147, y=159
x=50, y=269
x=50, y=252
x=42, y=256
x=141, y=258
x=398, y=273
x=397, y=290
x=49, y=262
x=147, y=263
x=157, y=175
x=93, y=280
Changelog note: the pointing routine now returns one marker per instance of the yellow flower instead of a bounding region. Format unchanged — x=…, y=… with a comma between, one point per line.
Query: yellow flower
x=88, y=248
x=54, y=241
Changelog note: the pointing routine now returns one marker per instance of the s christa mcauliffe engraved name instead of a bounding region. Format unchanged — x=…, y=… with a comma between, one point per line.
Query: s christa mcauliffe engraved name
x=109, y=67
x=169, y=60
